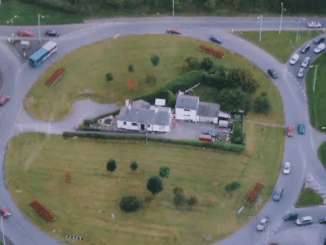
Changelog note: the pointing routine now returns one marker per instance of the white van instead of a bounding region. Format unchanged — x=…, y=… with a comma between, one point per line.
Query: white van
x=223, y=124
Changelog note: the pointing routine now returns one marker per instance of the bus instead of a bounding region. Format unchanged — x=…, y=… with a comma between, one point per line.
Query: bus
x=42, y=54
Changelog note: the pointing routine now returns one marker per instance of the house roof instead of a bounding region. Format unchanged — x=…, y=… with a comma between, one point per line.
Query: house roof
x=187, y=102
x=140, y=104
x=208, y=109
x=223, y=114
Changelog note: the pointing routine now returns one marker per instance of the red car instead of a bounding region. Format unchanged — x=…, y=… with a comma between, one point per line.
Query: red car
x=173, y=31
x=290, y=131
x=205, y=137
x=4, y=100
x=5, y=212
x=25, y=33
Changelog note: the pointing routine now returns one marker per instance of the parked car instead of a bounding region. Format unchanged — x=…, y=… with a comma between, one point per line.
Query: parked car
x=25, y=33
x=278, y=194
x=287, y=168
x=205, y=137
x=301, y=72
x=306, y=220
x=4, y=100
x=290, y=131
x=210, y=132
x=301, y=128
x=290, y=216
x=215, y=39
x=263, y=223
x=272, y=73
x=305, y=62
x=294, y=59
x=314, y=24
x=51, y=33
x=5, y=212
x=319, y=40
x=173, y=31
x=305, y=49
x=322, y=220
x=320, y=48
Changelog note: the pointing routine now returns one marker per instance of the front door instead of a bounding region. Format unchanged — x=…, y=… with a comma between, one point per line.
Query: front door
x=142, y=127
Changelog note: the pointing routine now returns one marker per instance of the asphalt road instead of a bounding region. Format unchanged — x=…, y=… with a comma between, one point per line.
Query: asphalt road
x=300, y=150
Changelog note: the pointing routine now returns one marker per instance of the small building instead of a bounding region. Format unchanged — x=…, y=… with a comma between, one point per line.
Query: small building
x=223, y=123
x=186, y=107
x=208, y=112
x=223, y=116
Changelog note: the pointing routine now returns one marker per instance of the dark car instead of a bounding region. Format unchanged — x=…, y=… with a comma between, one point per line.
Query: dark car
x=173, y=31
x=319, y=40
x=215, y=39
x=301, y=128
x=305, y=49
x=290, y=216
x=272, y=73
x=322, y=220
x=51, y=33
x=278, y=194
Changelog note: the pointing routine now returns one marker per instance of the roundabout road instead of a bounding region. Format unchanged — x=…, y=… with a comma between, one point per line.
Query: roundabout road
x=300, y=150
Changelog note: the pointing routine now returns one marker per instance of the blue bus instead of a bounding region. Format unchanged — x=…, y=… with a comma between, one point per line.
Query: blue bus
x=42, y=54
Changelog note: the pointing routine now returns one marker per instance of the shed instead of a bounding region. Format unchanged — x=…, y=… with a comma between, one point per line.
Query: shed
x=223, y=124
x=160, y=102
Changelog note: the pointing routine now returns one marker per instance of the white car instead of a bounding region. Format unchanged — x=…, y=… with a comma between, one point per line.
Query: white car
x=294, y=59
x=306, y=220
x=301, y=72
x=305, y=62
x=287, y=165
x=263, y=223
x=320, y=48
x=314, y=24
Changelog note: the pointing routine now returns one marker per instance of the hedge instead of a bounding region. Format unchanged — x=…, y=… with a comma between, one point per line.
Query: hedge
x=215, y=145
x=94, y=120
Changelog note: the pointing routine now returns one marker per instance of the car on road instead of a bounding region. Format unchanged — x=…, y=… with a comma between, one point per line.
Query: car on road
x=287, y=168
x=263, y=223
x=301, y=128
x=305, y=220
x=210, y=132
x=278, y=194
x=319, y=40
x=5, y=212
x=173, y=31
x=215, y=39
x=4, y=100
x=314, y=24
x=305, y=49
x=320, y=48
x=272, y=73
x=25, y=33
x=301, y=72
x=322, y=220
x=294, y=59
x=305, y=62
x=51, y=33
x=290, y=216
x=290, y=131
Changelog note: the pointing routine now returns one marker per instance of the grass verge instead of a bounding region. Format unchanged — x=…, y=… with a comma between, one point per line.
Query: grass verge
x=84, y=207
x=322, y=154
x=309, y=197
x=280, y=45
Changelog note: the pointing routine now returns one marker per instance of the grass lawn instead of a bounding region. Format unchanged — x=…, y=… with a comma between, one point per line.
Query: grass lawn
x=84, y=206
x=280, y=45
x=309, y=197
x=317, y=98
x=86, y=69
x=322, y=153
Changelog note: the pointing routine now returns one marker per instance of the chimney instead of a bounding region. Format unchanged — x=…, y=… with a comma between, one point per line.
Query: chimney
x=127, y=102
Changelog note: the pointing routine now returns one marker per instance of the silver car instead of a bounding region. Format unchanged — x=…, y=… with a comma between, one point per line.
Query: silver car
x=263, y=223
x=305, y=62
x=314, y=24
x=301, y=72
x=287, y=167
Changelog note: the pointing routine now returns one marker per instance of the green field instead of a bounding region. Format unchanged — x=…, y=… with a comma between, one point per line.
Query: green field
x=317, y=98
x=280, y=45
x=322, y=153
x=84, y=207
x=309, y=198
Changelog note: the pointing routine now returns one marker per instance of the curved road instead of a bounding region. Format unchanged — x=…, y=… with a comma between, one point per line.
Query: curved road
x=300, y=150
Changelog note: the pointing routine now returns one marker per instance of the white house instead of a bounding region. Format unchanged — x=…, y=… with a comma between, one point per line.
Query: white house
x=186, y=107
x=141, y=116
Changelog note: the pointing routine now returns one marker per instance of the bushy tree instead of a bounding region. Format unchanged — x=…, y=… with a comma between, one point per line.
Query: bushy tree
x=134, y=166
x=237, y=136
x=109, y=77
x=155, y=185
x=242, y=78
x=192, y=63
x=207, y=64
x=179, y=199
x=261, y=105
x=155, y=59
x=234, y=99
x=131, y=68
x=232, y=186
x=111, y=165
x=192, y=201
x=130, y=204
x=176, y=190
x=164, y=172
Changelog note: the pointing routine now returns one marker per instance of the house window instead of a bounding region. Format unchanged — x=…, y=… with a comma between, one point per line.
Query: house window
x=124, y=123
x=134, y=124
x=186, y=110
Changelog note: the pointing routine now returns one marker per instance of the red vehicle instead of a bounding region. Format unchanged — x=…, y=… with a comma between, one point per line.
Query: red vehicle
x=173, y=31
x=5, y=212
x=205, y=137
x=289, y=131
x=4, y=100
x=25, y=33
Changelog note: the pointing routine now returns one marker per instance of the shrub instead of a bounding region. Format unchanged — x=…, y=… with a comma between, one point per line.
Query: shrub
x=111, y=165
x=185, y=81
x=192, y=201
x=155, y=59
x=130, y=204
x=151, y=79
x=179, y=199
x=134, y=166
x=237, y=136
x=232, y=186
x=109, y=77
x=130, y=68
x=164, y=172
x=192, y=63
x=207, y=64
x=261, y=105
x=155, y=185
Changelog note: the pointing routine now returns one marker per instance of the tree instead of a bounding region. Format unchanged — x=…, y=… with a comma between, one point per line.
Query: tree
x=164, y=172
x=131, y=68
x=130, y=204
x=192, y=201
x=155, y=185
x=176, y=190
x=232, y=186
x=242, y=78
x=111, y=165
x=192, y=63
x=179, y=199
x=109, y=77
x=134, y=166
x=155, y=59
x=261, y=105
x=234, y=99
x=207, y=64
x=237, y=136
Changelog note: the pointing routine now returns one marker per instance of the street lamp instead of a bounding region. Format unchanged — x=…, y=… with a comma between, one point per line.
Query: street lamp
x=298, y=29
x=12, y=22
x=313, y=89
x=39, y=28
x=281, y=18
x=261, y=26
